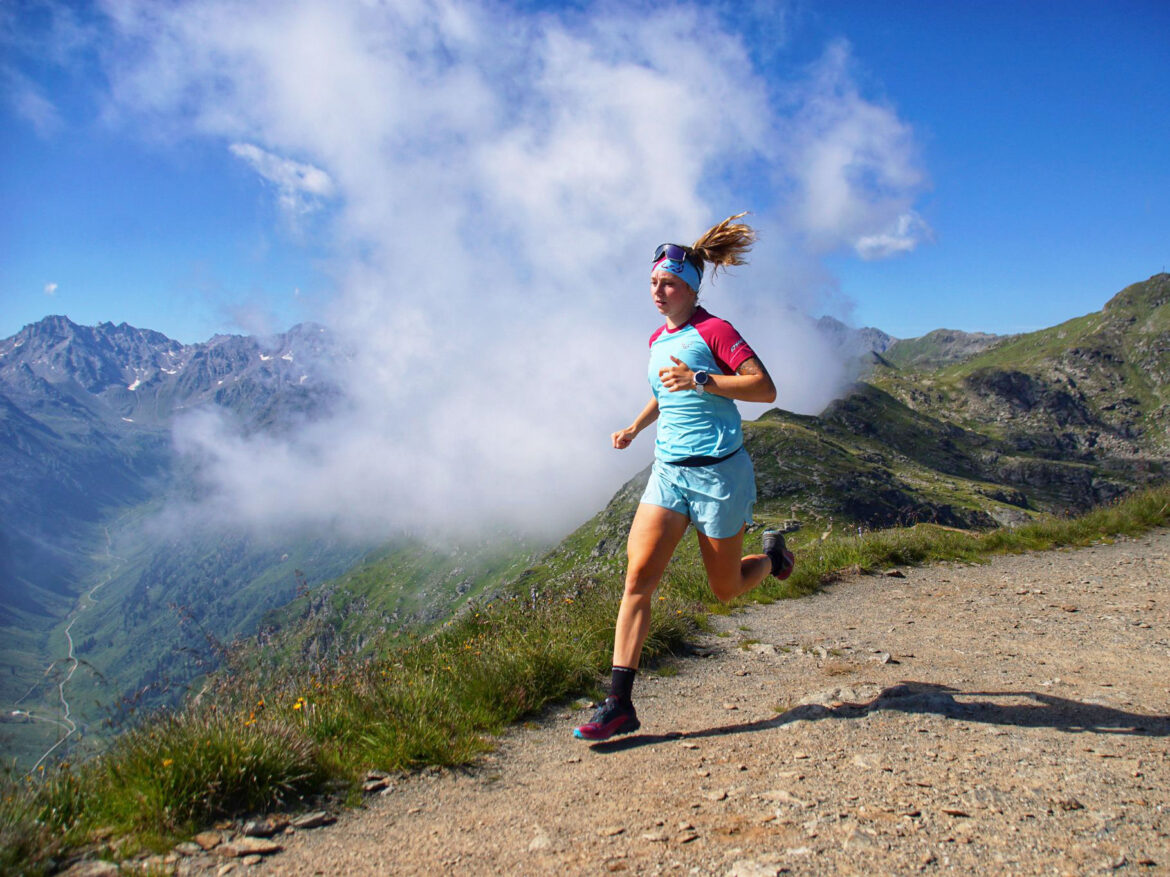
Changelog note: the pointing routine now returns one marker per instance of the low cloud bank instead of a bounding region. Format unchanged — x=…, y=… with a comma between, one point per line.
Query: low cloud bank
x=494, y=183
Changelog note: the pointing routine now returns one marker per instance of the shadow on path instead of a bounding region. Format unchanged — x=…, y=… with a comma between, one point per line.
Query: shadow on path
x=1028, y=709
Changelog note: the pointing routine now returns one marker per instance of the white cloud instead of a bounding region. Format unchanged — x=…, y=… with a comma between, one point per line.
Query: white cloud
x=300, y=187
x=38, y=110
x=497, y=183
x=907, y=232
x=855, y=165
x=28, y=101
x=50, y=289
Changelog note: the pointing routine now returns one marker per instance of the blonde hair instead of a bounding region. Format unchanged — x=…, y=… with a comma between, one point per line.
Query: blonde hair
x=724, y=244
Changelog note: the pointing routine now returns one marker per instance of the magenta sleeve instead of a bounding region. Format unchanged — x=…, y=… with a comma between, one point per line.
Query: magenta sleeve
x=730, y=350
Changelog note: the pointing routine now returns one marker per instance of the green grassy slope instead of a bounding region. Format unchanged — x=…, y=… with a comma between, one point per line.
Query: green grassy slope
x=926, y=443
x=403, y=590
x=150, y=622
x=1093, y=388
x=938, y=348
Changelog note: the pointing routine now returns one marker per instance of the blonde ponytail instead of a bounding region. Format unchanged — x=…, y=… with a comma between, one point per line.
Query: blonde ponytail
x=725, y=244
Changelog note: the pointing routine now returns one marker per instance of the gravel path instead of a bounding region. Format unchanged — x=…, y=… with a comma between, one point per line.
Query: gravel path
x=1007, y=718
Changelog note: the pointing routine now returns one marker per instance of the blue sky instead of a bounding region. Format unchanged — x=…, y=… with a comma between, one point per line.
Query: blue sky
x=1039, y=131
x=468, y=193
x=1039, y=127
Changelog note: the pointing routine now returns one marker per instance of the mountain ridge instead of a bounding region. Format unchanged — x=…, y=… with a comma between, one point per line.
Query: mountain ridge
x=885, y=453
x=87, y=456
x=962, y=429
x=87, y=413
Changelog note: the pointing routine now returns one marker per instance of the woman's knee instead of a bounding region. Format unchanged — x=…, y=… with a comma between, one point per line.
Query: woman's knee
x=724, y=589
x=641, y=580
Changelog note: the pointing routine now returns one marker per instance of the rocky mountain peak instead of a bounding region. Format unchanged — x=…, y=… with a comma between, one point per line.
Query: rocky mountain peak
x=854, y=342
x=97, y=358
x=1143, y=297
x=132, y=371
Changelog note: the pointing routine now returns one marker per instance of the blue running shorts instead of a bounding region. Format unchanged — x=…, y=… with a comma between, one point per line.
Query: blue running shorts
x=718, y=498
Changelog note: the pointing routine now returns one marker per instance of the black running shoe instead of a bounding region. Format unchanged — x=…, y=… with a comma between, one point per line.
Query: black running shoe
x=783, y=563
x=612, y=717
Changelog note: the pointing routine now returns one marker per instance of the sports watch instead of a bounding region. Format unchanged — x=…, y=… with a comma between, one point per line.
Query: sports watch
x=701, y=379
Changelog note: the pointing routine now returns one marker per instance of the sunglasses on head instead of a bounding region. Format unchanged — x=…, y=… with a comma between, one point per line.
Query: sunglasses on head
x=675, y=253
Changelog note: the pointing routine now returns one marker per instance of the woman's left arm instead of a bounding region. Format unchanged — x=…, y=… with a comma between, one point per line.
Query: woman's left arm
x=750, y=383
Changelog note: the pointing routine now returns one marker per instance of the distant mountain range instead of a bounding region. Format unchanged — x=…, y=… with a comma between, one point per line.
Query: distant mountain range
x=86, y=456
x=854, y=343
x=87, y=463
x=86, y=416
x=964, y=429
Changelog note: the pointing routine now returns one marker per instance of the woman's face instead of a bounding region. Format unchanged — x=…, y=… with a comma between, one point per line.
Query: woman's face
x=673, y=297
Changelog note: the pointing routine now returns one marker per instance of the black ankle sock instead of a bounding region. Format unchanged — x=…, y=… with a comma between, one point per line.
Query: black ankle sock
x=621, y=683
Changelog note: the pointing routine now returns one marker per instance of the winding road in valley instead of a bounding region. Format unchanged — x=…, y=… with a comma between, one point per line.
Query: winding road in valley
x=66, y=719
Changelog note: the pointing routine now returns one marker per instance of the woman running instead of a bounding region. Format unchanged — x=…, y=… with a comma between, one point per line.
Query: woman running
x=699, y=366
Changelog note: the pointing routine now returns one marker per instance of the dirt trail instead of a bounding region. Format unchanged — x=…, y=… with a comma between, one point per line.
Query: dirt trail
x=1012, y=717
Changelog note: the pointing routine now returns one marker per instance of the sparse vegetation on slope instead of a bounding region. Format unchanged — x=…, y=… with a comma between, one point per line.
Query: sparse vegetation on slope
x=938, y=348
x=1091, y=389
x=258, y=740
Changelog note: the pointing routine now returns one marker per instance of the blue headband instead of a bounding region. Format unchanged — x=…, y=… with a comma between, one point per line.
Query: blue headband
x=683, y=269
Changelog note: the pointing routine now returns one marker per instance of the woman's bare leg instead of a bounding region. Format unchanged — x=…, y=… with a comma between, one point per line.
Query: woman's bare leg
x=728, y=573
x=654, y=535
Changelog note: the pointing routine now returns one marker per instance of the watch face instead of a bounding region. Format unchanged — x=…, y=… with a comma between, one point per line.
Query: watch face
x=701, y=378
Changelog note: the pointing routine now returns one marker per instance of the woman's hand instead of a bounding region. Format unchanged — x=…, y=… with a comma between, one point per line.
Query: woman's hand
x=677, y=377
x=750, y=383
x=623, y=437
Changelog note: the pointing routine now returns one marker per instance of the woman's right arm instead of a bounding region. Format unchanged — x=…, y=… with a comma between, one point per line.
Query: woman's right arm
x=623, y=437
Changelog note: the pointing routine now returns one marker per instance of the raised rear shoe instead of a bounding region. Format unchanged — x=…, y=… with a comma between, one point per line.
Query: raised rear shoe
x=783, y=563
